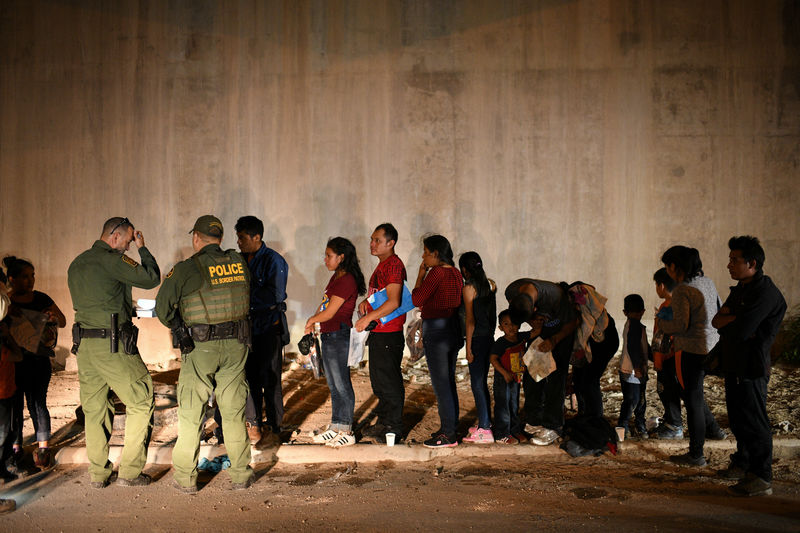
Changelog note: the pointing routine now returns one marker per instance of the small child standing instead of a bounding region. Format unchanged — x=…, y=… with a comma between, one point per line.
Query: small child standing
x=506, y=358
x=633, y=366
x=669, y=390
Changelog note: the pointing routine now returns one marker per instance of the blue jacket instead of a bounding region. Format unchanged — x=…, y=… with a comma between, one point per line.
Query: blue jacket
x=268, y=275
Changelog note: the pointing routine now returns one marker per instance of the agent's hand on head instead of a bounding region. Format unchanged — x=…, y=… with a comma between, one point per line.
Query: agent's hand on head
x=138, y=239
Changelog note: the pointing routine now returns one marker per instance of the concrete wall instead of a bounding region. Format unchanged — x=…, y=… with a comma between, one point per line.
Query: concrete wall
x=560, y=139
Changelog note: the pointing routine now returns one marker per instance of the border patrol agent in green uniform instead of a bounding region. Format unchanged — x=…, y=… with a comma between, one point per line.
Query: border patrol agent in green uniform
x=100, y=281
x=210, y=292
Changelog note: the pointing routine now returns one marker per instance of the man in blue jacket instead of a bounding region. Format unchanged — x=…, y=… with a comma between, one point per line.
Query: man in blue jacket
x=747, y=324
x=268, y=275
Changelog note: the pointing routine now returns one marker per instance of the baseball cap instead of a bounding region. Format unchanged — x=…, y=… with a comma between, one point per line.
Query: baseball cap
x=208, y=225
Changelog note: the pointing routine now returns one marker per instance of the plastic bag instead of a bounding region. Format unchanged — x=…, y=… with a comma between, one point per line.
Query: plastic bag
x=414, y=337
x=540, y=364
x=315, y=358
x=357, y=341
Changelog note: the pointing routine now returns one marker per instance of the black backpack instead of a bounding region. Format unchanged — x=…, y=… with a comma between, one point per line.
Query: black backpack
x=592, y=433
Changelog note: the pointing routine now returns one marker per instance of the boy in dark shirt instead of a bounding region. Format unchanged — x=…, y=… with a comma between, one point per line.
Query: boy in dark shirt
x=633, y=366
x=506, y=358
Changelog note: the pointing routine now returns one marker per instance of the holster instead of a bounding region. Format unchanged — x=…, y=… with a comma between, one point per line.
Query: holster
x=76, y=338
x=245, y=333
x=129, y=335
x=181, y=338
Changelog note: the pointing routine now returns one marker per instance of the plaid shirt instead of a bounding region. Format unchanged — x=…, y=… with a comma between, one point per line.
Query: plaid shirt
x=440, y=293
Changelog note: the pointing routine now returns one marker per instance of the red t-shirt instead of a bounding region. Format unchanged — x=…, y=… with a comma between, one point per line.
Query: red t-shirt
x=391, y=270
x=440, y=293
x=344, y=287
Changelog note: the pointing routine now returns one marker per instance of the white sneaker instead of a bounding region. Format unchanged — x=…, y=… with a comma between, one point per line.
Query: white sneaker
x=545, y=437
x=325, y=437
x=343, y=438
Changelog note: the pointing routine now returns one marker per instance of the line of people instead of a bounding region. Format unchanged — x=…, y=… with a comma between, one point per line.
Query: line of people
x=222, y=306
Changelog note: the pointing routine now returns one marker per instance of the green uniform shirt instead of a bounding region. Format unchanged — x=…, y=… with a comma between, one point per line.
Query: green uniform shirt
x=185, y=279
x=100, y=281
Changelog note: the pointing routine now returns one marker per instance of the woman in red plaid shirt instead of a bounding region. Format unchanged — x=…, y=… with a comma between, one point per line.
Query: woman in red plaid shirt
x=438, y=295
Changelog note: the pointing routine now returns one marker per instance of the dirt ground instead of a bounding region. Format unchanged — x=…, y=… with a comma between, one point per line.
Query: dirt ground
x=637, y=489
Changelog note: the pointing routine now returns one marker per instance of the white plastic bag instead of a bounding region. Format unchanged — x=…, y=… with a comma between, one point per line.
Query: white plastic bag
x=414, y=337
x=540, y=364
x=357, y=341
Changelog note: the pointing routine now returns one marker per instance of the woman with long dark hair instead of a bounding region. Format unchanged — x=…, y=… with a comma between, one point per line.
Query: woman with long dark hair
x=34, y=371
x=335, y=316
x=694, y=303
x=437, y=293
x=480, y=317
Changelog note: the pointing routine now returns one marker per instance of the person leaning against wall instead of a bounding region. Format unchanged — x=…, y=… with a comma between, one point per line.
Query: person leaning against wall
x=210, y=294
x=100, y=281
x=268, y=276
x=748, y=322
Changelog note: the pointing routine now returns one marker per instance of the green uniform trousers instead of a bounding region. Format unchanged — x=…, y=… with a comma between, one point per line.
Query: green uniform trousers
x=99, y=369
x=216, y=365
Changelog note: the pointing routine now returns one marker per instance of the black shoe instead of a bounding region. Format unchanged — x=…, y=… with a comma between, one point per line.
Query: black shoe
x=441, y=441
x=752, y=486
x=376, y=430
x=6, y=476
x=191, y=489
x=687, y=460
x=733, y=472
x=105, y=483
x=669, y=432
x=244, y=484
x=14, y=462
x=141, y=480
x=716, y=434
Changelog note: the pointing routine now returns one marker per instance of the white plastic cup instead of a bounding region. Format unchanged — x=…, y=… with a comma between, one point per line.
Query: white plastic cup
x=390, y=439
x=620, y=433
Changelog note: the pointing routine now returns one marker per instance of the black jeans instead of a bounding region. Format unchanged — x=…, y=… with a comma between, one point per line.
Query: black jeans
x=698, y=416
x=386, y=378
x=669, y=392
x=32, y=378
x=263, y=371
x=586, y=379
x=544, y=401
x=746, y=400
x=6, y=435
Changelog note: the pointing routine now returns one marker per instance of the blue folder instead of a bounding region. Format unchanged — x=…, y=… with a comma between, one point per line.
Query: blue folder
x=377, y=299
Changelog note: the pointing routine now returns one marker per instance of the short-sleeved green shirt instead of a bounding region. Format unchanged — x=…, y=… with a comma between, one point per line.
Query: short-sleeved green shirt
x=100, y=281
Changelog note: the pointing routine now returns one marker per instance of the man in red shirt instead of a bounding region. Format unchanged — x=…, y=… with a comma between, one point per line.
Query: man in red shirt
x=386, y=341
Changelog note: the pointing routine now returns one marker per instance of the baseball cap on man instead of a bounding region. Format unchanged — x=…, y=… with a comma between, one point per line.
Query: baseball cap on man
x=208, y=225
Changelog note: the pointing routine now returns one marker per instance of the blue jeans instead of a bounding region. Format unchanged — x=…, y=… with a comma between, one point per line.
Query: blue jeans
x=633, y=401
x=441, y=343
x=478, y=374
x=506, y=407
x=335, y=348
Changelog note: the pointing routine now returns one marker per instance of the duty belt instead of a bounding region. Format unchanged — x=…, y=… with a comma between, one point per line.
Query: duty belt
x=95, y=333
x=209, y=332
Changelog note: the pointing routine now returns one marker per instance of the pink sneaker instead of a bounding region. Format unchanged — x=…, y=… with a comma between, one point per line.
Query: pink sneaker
x=479, y=436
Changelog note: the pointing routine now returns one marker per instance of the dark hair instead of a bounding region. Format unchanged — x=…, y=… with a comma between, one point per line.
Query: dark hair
x=249, y=225
x=472, y=263
x=15, y=266
x=440, y=245
x=633, y=302
x=685, y=259
x=751, y=249
x=349, y=264
x=503, y=314
x=663, y=278
x=3, y=278
x=521, y=308
x=389, y=231
x=115, y=223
